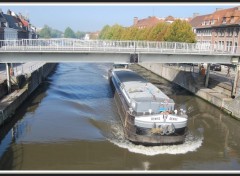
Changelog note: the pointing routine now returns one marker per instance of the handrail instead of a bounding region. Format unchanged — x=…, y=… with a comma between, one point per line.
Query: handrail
x=115, y=46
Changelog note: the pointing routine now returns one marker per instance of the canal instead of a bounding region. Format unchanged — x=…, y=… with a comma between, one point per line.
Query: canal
x=71, y=123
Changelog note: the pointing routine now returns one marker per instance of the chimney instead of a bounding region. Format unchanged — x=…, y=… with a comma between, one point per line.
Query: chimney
x=195, y=15
x=135, y=20
x=9, y=12
x=217, y=9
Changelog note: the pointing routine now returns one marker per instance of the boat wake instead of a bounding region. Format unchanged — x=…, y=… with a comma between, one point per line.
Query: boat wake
x=191, y=144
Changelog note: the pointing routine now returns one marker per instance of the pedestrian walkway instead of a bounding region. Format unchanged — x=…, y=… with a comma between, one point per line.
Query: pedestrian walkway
x=219, y=76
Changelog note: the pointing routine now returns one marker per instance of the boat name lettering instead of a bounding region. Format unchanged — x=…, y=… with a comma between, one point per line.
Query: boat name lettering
x=155, y=118
x=172, y=118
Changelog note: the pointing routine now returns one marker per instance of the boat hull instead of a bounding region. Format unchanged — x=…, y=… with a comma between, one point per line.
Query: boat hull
x=141, y=135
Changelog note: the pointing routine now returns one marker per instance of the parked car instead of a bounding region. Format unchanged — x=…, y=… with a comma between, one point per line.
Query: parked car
x=215, y=67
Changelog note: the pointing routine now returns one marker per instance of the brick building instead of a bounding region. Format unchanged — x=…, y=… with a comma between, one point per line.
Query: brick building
x=219, y=29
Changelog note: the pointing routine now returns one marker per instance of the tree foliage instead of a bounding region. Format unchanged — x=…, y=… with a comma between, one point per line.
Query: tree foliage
x=104, y=34
x=69, y=33
x=56, y=33
x=45, y=32
x=48, y=32
x=180, y=31
x=80, y=34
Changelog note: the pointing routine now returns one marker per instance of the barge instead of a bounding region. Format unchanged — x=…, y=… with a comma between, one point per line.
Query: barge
x=147, y=114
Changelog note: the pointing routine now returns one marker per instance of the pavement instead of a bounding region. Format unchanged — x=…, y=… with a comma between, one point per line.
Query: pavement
x=220, y=76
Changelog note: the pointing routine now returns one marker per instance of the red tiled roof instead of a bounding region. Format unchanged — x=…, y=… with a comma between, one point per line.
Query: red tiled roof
x=218, y=16
x=149, y=22
x=24, y=22
x=197, y=20
x=236, y=13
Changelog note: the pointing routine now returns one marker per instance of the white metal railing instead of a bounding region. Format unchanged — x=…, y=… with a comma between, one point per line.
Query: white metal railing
x=113, y=46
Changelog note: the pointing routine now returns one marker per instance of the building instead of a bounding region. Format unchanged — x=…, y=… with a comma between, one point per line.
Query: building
x=3, y=24
x=15, y=27
x=87, y=37
x=146, y=22
x=219, y=30
x=11, y=27
x=152, y=21
x=91, y=35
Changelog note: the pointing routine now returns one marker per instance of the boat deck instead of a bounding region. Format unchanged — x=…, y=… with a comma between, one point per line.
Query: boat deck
x=140, y=89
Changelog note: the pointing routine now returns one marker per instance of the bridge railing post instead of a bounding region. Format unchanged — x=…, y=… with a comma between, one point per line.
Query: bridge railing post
x=73, y=42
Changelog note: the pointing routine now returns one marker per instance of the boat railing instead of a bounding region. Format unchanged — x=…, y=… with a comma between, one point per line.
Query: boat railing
x=180, y=113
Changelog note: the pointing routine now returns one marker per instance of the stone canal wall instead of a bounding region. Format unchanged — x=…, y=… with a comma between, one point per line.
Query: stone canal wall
x=11, y=102
x=195, y=84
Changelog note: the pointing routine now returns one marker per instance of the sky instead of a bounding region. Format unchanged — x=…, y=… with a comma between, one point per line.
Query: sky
x=93, y=17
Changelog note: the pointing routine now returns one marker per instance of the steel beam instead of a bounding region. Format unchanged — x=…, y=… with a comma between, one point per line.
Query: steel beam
x=16, y=57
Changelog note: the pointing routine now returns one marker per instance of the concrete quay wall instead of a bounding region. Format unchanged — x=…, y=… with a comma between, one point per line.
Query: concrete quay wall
x=11, y=102
x=3, y=89
x=191, y=83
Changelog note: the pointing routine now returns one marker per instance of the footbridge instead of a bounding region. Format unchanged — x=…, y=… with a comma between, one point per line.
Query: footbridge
x=75, y=50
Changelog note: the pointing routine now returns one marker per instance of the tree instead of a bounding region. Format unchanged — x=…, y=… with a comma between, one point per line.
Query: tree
x=80, y=34
x=104, y=32
x=130, y=33
x=56, y=33
x=45, y=32
x=180, y=31
x=116, y=31
x=157, y=32
x=68, y=33
x=48, y=32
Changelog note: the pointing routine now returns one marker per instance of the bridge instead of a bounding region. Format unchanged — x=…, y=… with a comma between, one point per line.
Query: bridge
x=75, y=50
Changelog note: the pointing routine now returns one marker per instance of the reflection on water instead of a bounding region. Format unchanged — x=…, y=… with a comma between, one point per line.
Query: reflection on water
x=71, y=123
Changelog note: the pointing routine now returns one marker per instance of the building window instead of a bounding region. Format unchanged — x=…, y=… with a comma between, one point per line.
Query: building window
x=235, y=47
x=230, y=32
x=236, y=32
x=224, y=20
x=232, y=19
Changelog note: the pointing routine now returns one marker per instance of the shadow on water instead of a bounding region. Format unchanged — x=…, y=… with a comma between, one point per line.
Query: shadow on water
x=10, y=130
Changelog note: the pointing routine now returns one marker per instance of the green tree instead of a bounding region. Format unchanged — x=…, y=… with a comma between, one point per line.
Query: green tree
x=104, y=32
x=69, y=33
x=116, y=31
x=130, y=34
x=80, y=34
x=157, y=32
x=45, y=32
x=56, y=33
x=180, y=31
